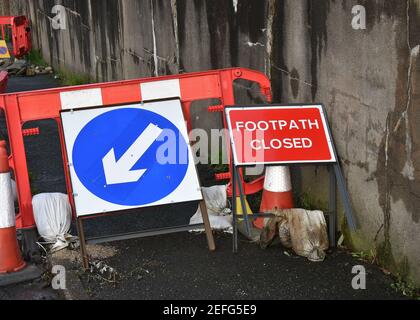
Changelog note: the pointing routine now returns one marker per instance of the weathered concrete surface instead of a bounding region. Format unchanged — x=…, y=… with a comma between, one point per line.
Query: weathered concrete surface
x=368, y=79
x=11, y=7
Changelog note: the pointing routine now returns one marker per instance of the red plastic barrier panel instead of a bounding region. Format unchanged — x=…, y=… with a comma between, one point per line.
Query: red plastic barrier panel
x=47, y=104
x=3, y=81
x=20, y=34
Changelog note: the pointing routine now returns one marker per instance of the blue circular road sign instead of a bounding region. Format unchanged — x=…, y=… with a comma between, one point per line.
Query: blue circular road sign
x=115, y=157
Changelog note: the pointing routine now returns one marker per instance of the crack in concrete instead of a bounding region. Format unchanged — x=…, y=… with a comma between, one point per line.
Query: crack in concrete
x=156, y=60
x=289, y=74
x=391, y=130
x=269, y=36
x=235, y=5
x=254, y=44
x=377, y=233
x=386, y=184
x=168, y=60
x=408, y=170
x=174, y=9
x=387, y=143
x=133, y=53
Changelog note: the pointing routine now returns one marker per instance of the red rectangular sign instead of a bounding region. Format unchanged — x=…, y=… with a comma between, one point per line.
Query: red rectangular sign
x=280, y=135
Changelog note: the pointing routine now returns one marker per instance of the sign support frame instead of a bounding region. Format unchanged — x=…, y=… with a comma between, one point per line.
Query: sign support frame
x=336, y=178
x=84, y=241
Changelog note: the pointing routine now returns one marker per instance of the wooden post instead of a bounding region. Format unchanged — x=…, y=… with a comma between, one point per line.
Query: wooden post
x=207, y=226
x=83, y=250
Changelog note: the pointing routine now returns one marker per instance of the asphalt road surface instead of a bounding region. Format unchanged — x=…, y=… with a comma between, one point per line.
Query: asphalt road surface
x=179, y=266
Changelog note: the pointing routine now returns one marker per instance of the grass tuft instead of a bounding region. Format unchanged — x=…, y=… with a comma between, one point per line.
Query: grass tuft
x=73, y=79
x=35, y=58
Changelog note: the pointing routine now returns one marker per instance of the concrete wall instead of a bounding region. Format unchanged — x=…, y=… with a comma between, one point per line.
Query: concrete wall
x=368, y=79
x=112, y=39
x=10, y=7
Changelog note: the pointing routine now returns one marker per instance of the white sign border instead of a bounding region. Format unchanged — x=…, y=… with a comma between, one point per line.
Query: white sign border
x=88, y=204
x=277, y=107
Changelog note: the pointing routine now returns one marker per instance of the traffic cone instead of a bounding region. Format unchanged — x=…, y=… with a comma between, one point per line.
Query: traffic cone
x=10, y=255
x=277, y=192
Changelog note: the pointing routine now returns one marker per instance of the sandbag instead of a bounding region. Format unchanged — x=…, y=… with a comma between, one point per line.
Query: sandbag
x=308, y=231
x=303, y=231
x=53, y=217
x=277, y=226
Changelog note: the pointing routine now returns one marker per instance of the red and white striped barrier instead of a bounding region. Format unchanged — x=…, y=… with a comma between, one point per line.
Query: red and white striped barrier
x=98, y=97
x=10, y=256
x=4, y=76
x=25, y=107
x=277, y=194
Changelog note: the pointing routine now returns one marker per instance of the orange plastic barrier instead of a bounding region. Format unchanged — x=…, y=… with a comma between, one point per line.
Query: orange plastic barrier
x=20, y=34
x=47, y=104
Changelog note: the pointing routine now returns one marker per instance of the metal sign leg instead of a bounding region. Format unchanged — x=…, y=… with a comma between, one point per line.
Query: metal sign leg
x=234, y=214
x=82, y=239
x=243, y=204
x=346, y=198
x=207, y=226
x=332, y=208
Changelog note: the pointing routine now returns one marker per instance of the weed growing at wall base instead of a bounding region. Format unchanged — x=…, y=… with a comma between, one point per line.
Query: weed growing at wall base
x=406, y=288
x=35, y=58
x=68, y=78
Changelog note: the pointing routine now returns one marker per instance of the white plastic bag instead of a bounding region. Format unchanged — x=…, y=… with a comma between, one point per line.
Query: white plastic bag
x=216, y=203
x=53, y=216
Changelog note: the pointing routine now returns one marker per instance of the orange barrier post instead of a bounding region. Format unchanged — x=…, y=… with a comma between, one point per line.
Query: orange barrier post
x=277, y=193
x=10, y=256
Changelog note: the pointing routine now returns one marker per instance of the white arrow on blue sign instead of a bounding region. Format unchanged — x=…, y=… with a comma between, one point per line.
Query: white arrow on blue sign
x=118, y=172
x=114, y=157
